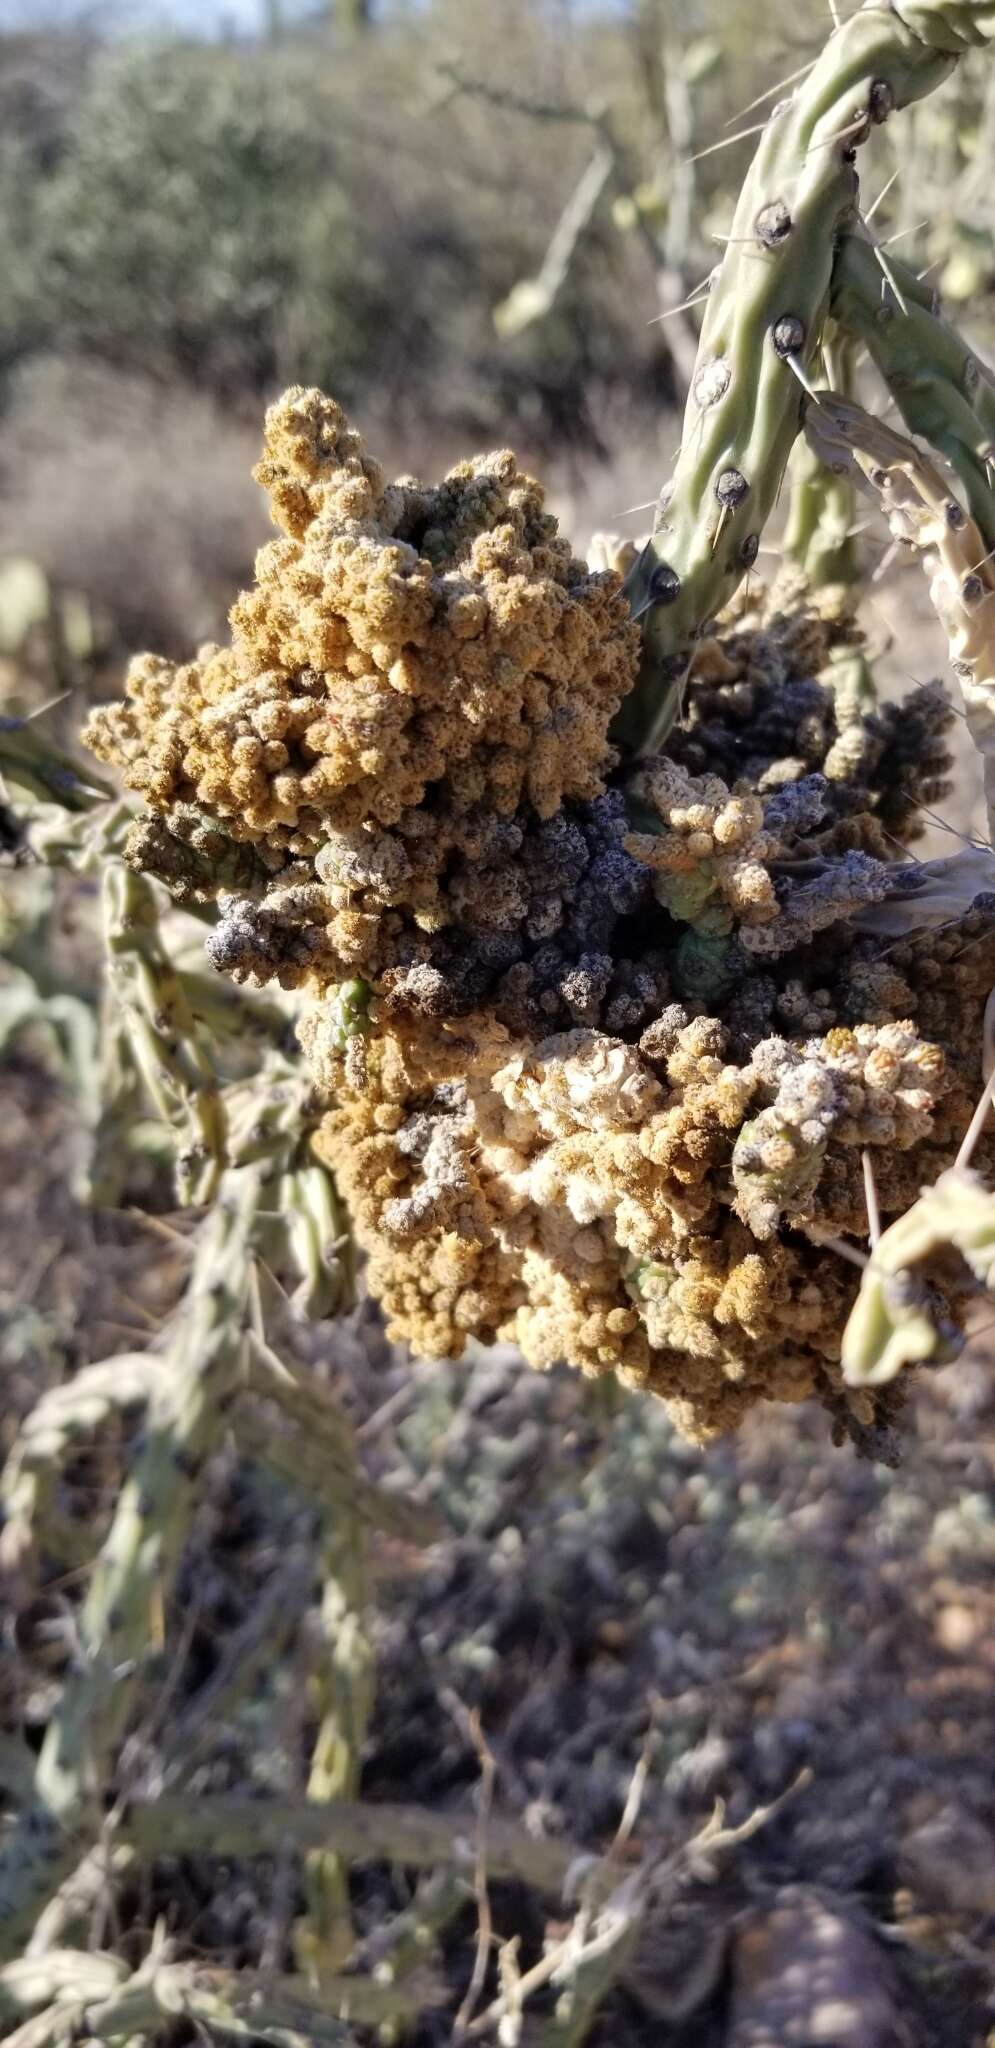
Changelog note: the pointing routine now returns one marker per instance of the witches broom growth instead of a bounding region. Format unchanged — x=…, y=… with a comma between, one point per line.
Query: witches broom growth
x=583, y=885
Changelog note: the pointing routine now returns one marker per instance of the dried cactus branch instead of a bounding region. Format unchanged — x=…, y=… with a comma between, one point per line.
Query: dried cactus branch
x=596, y=1953
x=340, y=1693
x=893, y=1322
x=135, y=1567
x=163, y=1033
x=70, y=1907
x=287, y=2012
x=318, y=1457
x=362, y=1831
x=33, y=1470
x=97, y=1996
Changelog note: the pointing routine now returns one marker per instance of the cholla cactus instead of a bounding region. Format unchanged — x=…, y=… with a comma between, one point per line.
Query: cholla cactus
x=764, y=323
x=596, y=1089
x=602, y=1033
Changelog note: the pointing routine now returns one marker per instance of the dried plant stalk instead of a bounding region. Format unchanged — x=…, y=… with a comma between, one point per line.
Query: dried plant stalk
x=166, y=1044
x=340, y=1693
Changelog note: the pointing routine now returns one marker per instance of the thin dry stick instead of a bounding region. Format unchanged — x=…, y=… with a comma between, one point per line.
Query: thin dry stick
x=485, y=1923
x=977, y=1124
x=871, y=1199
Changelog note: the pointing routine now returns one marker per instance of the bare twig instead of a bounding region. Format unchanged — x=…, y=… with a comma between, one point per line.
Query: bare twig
x=470, y=1721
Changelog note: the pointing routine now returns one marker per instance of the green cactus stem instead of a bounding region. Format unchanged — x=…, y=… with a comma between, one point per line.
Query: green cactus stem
x=820, y=534
x=317, y=1240
x=706, y=966
x=763, y=329
x=376, y=1831
x=35, y=764
x=404, y=1944
x=349, y=1011
x=944, y=392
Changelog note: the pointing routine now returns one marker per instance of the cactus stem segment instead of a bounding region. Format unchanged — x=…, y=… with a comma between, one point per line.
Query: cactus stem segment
x=745, y=415
x=941, y=390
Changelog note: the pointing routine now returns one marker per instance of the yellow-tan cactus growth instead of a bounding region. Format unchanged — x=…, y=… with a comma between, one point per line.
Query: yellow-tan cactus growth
x=620, y=1205
x=602, y=1044
x=396, y=637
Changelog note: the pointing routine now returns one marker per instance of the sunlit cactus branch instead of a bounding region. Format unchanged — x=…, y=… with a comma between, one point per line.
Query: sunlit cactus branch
x=944, y=391
x=763, y=330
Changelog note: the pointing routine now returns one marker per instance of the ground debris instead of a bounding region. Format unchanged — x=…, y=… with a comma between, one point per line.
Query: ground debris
x=806, y=1973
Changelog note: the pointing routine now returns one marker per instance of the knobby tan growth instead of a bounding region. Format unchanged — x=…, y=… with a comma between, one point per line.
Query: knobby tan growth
x=619, y=1205
x=398, y=637
x=602, y=1044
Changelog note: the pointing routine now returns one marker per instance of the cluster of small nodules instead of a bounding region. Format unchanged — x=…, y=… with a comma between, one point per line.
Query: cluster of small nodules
x=526, y=920
x=408, y=660
x=769, y=702
x=655, y=1209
